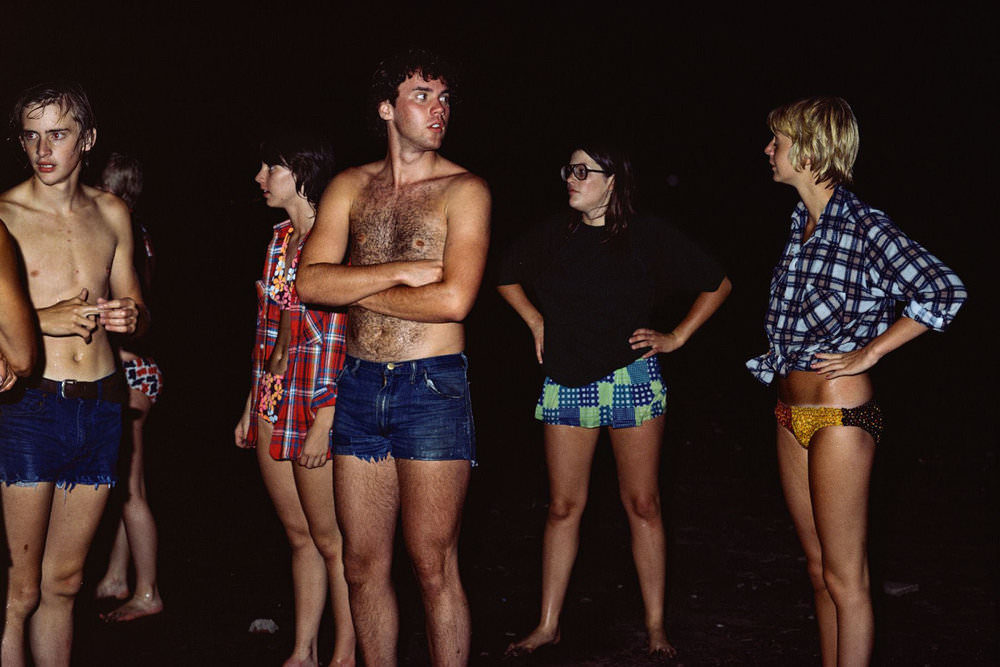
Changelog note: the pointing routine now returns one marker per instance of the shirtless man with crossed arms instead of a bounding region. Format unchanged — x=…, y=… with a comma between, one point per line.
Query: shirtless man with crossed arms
x=415, y=227
x=60, y=428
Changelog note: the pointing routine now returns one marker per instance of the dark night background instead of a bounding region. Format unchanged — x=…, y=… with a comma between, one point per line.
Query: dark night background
x=191, y=89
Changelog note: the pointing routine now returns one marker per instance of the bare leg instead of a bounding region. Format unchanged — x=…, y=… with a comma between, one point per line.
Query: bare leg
x=432, y=495
x=840, y=464
x=367, y=495
x=637, y=454
x=26, y=517
x=315, y=489
x=308, y=566
x=114, y=583
x=569, y=452
x=73, y=521
x=139, y=528
x=793, y=466
x=826, y=488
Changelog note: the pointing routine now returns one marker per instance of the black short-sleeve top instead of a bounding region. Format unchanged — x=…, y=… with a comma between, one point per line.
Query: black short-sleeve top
x=594, y=292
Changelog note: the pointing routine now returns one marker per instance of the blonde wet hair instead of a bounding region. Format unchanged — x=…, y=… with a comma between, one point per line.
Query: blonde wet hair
x=824, y=134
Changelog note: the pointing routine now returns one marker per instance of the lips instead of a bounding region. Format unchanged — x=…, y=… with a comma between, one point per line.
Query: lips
x=46, y=167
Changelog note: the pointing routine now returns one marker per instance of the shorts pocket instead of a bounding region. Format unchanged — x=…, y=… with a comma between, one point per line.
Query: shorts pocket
x=447, y=384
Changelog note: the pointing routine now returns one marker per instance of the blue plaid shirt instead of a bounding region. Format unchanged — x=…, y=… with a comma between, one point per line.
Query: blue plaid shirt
x=838, y=290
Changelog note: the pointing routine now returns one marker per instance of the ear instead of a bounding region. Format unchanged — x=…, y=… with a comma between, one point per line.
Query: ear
x=385, y=110
x=89, y=140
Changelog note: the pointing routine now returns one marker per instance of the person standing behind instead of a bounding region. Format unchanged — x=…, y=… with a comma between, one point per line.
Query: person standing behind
x=290, y=409
x=63, y=429
x=18, y=336
x=136, y=537
x=830, y=318
x=596, y=276
x=417, y=226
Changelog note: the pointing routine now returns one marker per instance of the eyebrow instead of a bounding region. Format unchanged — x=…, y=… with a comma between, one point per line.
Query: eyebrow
x=428, y=89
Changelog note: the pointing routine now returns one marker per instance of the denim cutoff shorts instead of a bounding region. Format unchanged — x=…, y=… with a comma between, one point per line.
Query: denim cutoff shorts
x=418, y=409
x=47, y=438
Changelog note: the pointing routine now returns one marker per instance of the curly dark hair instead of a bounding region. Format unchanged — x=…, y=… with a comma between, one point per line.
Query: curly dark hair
x=398, y=68
x=309, y=158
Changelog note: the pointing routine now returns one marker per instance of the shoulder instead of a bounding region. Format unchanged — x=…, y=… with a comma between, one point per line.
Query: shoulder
x=109, y=206
x=13, y=204
x=351, y=181
x=464, y=186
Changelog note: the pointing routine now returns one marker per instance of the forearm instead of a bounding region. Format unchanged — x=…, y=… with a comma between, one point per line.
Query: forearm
x=901, y=331
x=517, y=298
x=435, y=303
x=334, y=285
x=703, y=307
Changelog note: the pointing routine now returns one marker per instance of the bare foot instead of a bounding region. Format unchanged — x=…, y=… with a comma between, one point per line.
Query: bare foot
x=137, y=607
x=538, y=638
x=111, y=588
x=659, y=647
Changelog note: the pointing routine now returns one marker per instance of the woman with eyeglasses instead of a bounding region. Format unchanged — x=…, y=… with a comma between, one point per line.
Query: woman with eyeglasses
x=594, y=279
x=289, y=413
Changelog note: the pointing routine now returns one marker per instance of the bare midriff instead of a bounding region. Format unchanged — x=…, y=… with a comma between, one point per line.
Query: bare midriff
x=277, y=363
x=808, y=388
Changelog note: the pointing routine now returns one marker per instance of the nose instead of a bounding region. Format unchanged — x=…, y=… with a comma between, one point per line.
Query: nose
x=44, y=148
x=261, y=174
x=769, y=149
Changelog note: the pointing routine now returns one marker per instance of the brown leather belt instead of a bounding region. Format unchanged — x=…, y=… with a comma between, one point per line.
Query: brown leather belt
x=111, y=388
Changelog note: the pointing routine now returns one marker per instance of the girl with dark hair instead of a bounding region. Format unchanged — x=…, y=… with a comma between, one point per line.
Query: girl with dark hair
x=595, y=282
x=289, y=412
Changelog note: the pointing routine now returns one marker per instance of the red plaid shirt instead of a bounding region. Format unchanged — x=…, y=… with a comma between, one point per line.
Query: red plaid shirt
x=315, y=356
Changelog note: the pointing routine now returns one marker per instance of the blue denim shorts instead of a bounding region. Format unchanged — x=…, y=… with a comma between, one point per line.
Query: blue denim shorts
x=419, y=410
x=47, y=438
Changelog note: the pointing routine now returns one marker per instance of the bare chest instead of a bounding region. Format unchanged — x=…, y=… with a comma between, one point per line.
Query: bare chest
x=63, y=256
x=390, y=224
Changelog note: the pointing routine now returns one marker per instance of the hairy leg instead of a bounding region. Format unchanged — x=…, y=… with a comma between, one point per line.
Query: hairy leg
x=139, y=526
x=793, y=467
x=432, y=495
x=367, y=495
x=569, y=452
x=308, y=566
x=315, y=489
x=73, y=521
x=26, y=515
x=637, y=455
x=840, y=464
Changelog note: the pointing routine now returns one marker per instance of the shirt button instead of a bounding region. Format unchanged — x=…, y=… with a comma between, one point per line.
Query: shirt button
x=390, y=366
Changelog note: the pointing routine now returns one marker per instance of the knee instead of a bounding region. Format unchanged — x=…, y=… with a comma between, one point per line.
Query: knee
x=65, y=585
x=299, y=536
x=434, y=570
x=816, y=575
x=564, y=509
x=361, y=568
x=848, y=586
x=330, y=545
x=22, y=599
x=645, y=507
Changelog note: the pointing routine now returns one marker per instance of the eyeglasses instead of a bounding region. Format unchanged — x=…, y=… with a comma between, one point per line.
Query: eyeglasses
x=578, y=171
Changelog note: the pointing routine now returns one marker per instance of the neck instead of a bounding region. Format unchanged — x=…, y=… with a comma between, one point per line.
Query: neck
x=302, y=215
x=58, y=196
x=408, y=163
x=815, y=197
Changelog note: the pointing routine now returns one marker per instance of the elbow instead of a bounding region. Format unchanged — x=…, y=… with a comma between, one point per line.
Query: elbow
x=725, y=288
x=22, y=361
x=305, y=285
x=456, y=307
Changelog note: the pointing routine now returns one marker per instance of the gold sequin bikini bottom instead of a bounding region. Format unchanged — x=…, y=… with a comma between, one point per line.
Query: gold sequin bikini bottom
x=803, y=422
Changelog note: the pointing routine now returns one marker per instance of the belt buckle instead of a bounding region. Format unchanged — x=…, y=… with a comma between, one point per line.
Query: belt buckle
x=62, y=388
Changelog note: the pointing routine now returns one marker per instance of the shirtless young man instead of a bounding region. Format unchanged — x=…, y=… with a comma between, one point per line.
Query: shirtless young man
x=417, y=227
x=59, y=435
